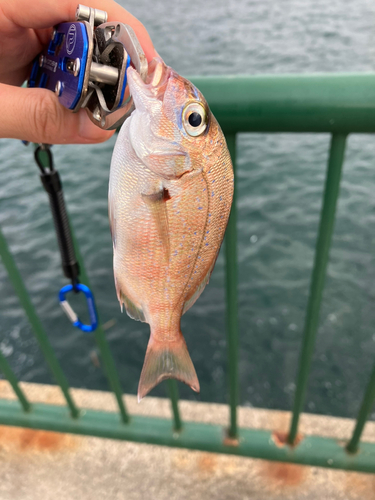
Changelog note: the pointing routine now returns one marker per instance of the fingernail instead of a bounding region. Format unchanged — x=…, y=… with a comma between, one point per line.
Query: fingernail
x=89, y=131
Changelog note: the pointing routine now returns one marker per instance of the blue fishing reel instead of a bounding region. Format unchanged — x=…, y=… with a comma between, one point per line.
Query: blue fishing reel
x=85, y=64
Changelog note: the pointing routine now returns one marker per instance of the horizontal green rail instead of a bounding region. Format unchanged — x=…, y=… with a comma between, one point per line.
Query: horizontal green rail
x=313, y=450
x=337, y=104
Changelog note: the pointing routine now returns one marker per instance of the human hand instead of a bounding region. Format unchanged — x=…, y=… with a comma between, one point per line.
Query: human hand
x=34, y=114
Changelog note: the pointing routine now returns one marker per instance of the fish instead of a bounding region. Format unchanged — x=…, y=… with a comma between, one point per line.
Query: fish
x=170, y=193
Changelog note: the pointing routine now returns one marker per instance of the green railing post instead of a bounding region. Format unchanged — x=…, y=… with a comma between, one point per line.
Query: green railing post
x=231, y=299
x=16, y=280
x=368, y=401
x=173, y=393
x=12, y=379
x=108, y=361
x=327, y=218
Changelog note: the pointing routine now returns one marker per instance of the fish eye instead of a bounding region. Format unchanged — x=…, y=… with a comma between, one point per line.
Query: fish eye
x=194, y=119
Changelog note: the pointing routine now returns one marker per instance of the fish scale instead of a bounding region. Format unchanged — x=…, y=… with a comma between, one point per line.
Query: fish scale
x=170, y=193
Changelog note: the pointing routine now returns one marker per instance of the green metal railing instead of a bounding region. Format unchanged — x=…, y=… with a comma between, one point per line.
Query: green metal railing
x=338, y=104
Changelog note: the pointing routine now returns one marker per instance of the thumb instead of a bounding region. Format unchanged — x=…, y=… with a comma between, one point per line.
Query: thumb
x=35, y=115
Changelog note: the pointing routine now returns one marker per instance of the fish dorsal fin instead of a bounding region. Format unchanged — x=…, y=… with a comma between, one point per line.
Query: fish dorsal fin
x=158, y=207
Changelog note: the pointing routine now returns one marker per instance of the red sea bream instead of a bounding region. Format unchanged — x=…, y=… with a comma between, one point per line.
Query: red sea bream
x=170, y=193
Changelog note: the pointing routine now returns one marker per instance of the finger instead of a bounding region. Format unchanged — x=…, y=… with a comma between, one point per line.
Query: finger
x=36, y=115
x=46, y=13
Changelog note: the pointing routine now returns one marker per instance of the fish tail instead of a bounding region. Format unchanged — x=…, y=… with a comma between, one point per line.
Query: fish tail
x=167, y=359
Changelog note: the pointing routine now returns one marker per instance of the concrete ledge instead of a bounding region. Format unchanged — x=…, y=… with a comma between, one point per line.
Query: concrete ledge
x=40, y=464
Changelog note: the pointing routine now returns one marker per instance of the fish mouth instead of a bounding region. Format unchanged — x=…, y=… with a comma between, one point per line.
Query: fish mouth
x=158, y=76
x=155, y=85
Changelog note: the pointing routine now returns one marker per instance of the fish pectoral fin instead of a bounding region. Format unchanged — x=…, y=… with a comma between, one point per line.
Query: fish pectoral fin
x=158, y=207
x=166, y=359
x=170, y=164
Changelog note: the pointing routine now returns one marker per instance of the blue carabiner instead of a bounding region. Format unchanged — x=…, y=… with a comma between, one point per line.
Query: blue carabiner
x=72, y=315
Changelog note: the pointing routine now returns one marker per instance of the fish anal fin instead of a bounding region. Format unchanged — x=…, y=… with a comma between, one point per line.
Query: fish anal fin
x=158, y=207
x=167, y=359
x=132, y=310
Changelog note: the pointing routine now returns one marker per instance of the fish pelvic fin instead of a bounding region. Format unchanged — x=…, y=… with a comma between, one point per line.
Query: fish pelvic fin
x=166, y=359
x=158, y=207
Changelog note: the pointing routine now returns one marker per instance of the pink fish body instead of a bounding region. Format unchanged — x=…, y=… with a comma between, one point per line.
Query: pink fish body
x=170, y=193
